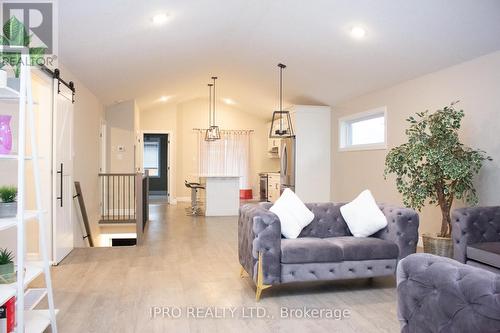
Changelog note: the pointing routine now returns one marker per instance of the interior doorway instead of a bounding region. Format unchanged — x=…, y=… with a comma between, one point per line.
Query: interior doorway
x=156, y=161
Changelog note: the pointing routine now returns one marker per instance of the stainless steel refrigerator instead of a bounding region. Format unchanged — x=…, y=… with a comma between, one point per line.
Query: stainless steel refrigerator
x=287, y=167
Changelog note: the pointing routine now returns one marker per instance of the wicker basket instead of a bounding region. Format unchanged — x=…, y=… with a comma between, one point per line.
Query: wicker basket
x=441, y=246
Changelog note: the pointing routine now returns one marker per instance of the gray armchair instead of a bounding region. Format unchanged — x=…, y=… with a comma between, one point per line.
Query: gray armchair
x=476, y=236
x=437, y=294
x=324, y=250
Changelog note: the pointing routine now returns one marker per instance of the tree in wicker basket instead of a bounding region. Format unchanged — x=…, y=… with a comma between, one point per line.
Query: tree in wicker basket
x=435, y=166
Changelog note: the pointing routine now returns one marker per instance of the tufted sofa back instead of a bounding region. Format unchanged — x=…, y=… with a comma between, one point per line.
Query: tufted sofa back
x=474, y=225
x=328, y=221
x=437, y=294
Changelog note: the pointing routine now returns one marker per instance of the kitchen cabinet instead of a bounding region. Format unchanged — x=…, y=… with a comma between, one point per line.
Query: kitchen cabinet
x=312, y=127
x=273, y=187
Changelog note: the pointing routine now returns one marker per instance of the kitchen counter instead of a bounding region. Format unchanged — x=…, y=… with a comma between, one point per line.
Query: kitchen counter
x=221, y=195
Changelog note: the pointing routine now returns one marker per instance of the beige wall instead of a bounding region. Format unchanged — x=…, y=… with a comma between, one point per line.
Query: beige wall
x=475, y=83
x=88, y=114
x=180, y=119
x=120, y=122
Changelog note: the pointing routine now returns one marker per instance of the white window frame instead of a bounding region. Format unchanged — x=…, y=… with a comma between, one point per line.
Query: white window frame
x=345, y=130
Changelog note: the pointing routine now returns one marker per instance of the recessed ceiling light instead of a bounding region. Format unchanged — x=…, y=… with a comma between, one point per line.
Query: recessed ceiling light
x=160, y=18
x=164, y=98
x=358, y=32
x=228, y=101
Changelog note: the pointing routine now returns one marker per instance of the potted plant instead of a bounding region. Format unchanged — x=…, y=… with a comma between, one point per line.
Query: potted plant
x=15, y=38
x=8, y=204
x=435, y=166
x=6, y=266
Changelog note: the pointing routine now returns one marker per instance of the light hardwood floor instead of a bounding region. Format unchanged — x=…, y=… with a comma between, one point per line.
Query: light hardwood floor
x=193, y=262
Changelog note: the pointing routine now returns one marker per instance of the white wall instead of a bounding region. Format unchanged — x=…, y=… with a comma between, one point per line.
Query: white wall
x=181, y=118
x=475, y=83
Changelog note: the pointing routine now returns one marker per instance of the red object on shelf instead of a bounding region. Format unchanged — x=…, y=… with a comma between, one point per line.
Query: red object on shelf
x=8, y=316
x=246, y=194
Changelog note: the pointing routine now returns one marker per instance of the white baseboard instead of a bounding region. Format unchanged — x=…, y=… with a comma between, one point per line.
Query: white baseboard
x=173, y=201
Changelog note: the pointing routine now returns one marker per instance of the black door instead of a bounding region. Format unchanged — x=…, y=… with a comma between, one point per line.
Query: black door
x=155, y=160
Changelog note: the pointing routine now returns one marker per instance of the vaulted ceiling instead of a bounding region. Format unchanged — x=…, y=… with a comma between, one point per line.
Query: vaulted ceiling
x=114, y=47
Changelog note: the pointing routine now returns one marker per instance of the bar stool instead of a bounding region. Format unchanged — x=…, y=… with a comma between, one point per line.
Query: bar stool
x=195, y=209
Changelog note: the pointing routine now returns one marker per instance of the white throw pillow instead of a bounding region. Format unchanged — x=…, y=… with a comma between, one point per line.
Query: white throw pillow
x=293, y=214
x=363, y=216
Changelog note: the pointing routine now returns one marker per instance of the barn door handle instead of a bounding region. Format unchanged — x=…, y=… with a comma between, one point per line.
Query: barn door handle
x=60, y=197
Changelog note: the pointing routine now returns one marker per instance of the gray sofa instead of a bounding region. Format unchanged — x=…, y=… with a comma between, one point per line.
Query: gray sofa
x=324, y=250
x=476, y=237
x=437, y=294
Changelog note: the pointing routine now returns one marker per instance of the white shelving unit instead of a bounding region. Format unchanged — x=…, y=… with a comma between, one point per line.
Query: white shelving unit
x=29, y=321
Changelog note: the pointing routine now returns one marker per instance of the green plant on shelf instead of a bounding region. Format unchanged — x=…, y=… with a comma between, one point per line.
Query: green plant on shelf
x=6, y=256
x=15, y=36
x=8, y=194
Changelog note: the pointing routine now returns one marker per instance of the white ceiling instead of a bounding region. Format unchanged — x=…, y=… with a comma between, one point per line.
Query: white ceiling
x=114, y=48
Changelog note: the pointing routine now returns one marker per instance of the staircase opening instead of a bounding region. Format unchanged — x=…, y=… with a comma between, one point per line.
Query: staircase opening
x=123, y=241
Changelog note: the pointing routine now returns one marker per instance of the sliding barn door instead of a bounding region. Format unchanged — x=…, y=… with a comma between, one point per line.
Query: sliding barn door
x=62, y=226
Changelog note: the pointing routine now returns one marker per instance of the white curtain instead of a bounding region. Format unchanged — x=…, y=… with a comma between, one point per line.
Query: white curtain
x=229, y=156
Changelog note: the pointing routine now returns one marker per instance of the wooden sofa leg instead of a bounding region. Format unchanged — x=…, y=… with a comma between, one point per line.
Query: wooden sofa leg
x=260, y=279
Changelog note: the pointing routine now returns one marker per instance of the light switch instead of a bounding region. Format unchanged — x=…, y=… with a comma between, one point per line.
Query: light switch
x=121, y=149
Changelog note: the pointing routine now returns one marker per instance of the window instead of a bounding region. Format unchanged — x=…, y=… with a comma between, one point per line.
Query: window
x=152, y=157
x=363, y=131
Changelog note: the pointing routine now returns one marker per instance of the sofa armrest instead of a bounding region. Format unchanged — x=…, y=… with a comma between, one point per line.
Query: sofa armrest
x=437, y=294
x=402, y=229
x=474, y=225
x=259, y=231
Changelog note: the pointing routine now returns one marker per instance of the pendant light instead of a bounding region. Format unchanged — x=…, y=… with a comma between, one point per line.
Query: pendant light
x=281, y=126
x=213, y=131
x=208, y=136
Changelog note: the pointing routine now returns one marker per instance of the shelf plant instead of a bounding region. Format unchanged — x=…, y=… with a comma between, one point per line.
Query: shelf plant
x=434, y=166
x=6, y=265
x=8, y=204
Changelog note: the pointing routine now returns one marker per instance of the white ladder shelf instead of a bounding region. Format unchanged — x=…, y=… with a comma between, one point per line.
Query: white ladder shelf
x=29, y=321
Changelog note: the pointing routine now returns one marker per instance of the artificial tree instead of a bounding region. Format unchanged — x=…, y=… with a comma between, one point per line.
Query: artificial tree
x=434, y=165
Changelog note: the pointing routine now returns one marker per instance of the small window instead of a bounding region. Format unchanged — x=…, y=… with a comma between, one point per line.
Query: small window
x=363, y=131
x=152, y=157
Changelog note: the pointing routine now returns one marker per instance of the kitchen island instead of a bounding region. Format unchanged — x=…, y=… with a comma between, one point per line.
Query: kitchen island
x=221, y=196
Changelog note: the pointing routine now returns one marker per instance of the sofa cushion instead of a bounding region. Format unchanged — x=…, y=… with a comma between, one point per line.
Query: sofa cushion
x=365, y=248
x=309, y=249
x=292, y=212
x=363, y=215
x=487, y=253
x=336, y=249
